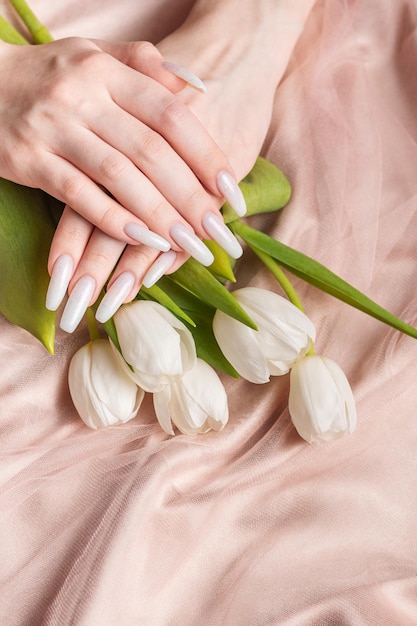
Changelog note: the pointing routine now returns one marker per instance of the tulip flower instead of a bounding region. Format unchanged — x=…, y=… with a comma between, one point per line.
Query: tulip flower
x=321, y=402
x=283, y=336
x=101, y=392
x=196, y=403
x=157, y=348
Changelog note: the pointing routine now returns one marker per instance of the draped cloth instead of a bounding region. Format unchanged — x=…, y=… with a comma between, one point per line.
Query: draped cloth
x=251, y=526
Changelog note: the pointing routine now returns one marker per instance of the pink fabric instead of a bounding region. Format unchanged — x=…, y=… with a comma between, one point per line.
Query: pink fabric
x=250, y=526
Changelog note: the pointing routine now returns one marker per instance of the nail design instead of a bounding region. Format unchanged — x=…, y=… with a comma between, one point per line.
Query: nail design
x=147, y=237
x=189, y=77
x=188, y=240
x=60, y=278
x=158, y=268
x=77, y=303
x=232, y=192
x=115, y=296
x=218, y=231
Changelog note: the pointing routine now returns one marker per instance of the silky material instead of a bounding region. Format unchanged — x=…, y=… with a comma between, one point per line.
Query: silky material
x=250, y=526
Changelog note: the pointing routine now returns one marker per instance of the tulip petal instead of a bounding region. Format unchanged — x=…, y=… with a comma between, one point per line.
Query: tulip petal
x=240, y=346
x=102, y=394
x=321, y=402
x=161, y=402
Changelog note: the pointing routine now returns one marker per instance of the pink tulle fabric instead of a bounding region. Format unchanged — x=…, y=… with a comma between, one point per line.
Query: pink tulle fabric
x=250, y=526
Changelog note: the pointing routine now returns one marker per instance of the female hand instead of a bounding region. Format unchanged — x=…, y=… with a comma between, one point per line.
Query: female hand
x=97, y=126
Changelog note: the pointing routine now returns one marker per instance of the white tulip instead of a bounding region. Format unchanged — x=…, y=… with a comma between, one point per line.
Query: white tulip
x=321, y=402
x=101, y=392
x=196, y=403
x=154, y=343
x=283, y=335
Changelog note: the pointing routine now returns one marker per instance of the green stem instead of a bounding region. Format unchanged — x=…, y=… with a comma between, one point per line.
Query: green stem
x=9, y=34
x=92, y=324
x=38, y=31
x=282, y=278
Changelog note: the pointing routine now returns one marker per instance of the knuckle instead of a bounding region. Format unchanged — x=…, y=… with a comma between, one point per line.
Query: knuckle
x=174, y=114
x=72, y=189
x=113, y=167
x=152, y=146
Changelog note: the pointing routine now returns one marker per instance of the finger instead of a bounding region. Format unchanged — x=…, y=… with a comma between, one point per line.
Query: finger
x=172, y=119
x=129, y=275
x=68, y=244
x=67, y=183
x=144, y=57
x=134, y=191
x=98, y=260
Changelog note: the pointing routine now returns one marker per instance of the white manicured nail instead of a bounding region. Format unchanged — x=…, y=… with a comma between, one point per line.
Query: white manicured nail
x=218, y=231
x=188, y=240
x=115, y=296
x=60, y=278
x=158, y=268
x=147, y=237
x=190, y=78
x=232, y=192
x=77, y=303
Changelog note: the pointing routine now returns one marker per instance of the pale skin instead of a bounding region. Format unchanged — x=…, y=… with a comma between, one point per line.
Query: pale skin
x=156, y=146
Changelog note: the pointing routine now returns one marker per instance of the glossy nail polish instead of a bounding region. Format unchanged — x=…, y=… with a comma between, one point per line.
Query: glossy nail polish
x=147, y=237
x=158, y=268
x=60, y=278
x=232, y=192
x=115, y=296
x=188, y=240
x=191, y=79
x=77, y=303
x=217, y=229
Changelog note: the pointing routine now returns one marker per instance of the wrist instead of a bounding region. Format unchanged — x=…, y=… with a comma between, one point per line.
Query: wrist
x=262, y=34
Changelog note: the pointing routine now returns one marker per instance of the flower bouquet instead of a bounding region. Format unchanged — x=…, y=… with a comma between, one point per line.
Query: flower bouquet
x=178, y=338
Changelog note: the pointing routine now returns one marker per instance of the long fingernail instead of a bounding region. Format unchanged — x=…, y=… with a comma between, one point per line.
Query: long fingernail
x=158, y=269
x=115, y=296
x=147, y=237
x=232, y=192
x=218, y=231
x=190, y=78
x=188, y=240
x=60, y=278
x=77, y=303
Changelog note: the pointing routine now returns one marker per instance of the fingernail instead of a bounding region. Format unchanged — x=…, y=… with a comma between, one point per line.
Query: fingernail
x=77, y=303
x=188, y=240
x=115, y=296
x=147, y=237
x=189, y=77
x=60, y=278
x=158, y=269
x=232, y=192
x=218, y=231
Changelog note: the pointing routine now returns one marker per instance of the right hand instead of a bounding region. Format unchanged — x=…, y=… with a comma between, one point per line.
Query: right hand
x=98, y=126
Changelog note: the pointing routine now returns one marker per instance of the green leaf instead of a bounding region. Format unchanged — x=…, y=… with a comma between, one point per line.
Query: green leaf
x=222, y=265
x=26, y=231
x=320, y=276
x=265, y=189
x=202, y=331
x=200, y=282
x=157, y=294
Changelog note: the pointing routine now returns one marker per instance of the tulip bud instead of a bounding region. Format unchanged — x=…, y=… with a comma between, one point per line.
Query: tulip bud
x=321, y=402
x=158, y=347
x=196, y=403
x=283, y=335
x=102, y=393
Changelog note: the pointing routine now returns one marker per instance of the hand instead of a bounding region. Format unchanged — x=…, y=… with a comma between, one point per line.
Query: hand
x=97, y=125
